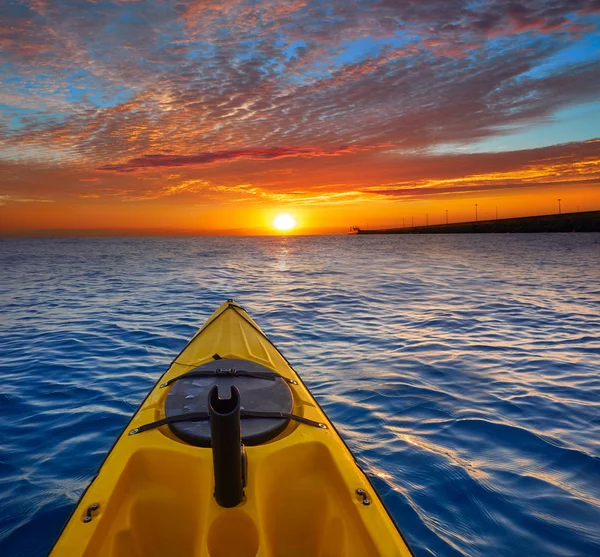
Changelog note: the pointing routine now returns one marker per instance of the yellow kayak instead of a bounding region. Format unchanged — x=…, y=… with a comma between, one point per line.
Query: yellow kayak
x=230, y=455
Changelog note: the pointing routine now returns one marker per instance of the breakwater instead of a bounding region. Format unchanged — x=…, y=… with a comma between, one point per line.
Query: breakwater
x=588, y=221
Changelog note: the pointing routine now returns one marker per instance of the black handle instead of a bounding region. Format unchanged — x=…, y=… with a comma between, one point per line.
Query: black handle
x=226, y=442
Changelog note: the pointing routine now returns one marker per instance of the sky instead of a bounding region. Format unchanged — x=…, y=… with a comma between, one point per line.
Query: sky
x=214, y=117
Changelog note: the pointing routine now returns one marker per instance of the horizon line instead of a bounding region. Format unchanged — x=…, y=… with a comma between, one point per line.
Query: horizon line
x=160, y=232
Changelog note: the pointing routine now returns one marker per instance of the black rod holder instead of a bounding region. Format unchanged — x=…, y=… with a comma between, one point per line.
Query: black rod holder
x=227, y=448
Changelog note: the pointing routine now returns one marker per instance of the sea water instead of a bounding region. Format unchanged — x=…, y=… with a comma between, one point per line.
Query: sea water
x=462, y=370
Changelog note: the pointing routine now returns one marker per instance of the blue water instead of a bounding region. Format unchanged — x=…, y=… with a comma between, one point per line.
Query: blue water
x=463, y=371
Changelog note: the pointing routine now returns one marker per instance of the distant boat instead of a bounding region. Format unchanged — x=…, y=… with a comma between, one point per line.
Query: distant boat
x=354, y=230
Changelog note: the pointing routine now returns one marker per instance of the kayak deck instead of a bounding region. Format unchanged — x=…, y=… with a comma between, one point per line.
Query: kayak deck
x=153, y=496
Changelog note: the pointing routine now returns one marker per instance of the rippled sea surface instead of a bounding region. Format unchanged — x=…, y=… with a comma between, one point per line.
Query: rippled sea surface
x=463, y=371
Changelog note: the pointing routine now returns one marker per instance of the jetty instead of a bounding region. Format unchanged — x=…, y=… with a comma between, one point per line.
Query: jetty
x=587, y=221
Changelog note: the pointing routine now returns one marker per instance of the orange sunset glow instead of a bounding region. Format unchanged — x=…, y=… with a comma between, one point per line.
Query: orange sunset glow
x=228, y=114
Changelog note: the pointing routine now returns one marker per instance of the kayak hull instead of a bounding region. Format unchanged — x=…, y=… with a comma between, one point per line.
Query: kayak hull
x=305, y=495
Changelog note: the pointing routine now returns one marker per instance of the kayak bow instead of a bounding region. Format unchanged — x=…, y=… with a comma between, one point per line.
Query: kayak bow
x=229, y=455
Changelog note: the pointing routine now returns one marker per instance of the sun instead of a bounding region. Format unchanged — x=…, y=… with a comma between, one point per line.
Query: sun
x=284, y=222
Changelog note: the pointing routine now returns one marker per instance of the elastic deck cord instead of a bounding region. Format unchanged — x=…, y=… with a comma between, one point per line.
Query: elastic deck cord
x=203, y=416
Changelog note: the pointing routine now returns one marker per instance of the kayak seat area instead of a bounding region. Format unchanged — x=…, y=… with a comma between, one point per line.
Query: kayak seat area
x=146, y=515
x=296, y=505
x=306, y=506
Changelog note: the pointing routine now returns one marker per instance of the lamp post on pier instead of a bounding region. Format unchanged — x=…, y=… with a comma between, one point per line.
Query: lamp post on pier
x=559, y=211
